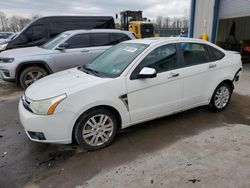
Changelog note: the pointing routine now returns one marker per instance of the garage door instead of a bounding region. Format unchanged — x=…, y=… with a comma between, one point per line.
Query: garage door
x=234, y=8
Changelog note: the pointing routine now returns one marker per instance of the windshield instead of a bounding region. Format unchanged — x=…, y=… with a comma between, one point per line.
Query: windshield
x=55, y=41
x=12, y=36
x=114, y=61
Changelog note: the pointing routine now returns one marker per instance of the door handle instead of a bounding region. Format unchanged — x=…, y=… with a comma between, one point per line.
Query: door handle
x=173, y=75
x=83, y=51
x=211, y=66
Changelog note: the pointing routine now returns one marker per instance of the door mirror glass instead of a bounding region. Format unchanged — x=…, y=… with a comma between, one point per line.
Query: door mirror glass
x=62, y=46
x=147, y=72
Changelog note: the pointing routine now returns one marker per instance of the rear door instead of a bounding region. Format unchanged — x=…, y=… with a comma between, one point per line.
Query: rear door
x=100, y=42
x=199, y=73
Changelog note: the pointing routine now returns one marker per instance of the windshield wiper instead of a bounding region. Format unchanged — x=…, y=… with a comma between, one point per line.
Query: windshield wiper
x=89, y=70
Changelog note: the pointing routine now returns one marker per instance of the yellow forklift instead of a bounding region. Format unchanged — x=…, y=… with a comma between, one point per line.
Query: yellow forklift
x=134, y=22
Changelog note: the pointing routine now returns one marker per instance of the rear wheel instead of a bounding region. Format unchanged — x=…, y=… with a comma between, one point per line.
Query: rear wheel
x=30, y=75
x=221, y=97
x=96, y=129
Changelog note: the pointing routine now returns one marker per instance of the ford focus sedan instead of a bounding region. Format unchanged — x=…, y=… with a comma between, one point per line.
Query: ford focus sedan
x=132, y=82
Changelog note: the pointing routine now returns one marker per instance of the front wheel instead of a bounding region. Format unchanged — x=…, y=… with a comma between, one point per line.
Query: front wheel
x=221, y=97
x=96, y=129
x=30, y=75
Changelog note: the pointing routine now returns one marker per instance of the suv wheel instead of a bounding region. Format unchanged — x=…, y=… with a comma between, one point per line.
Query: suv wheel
x=30, y=75
x=96, y=129
x=221, y=97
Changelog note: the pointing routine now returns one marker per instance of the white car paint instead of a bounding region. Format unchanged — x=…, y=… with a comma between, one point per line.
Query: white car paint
x=147, y=98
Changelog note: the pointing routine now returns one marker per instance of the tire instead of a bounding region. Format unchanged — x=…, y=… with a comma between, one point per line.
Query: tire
x=96, y=129
x=221, y=97
x=31, y=74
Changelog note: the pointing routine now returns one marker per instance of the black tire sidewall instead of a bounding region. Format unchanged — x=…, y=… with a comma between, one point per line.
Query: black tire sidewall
x=26, y=71
x=212, y=102
x=81, y=122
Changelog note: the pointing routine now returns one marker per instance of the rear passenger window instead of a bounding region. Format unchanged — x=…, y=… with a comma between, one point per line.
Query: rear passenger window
x=116, y=38
x=194, y=54
x=79, y=41
x=100, y=39
x=216, y=54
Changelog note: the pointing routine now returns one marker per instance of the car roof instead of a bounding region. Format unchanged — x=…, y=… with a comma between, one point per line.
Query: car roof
x=157, y=40
x=72, y=32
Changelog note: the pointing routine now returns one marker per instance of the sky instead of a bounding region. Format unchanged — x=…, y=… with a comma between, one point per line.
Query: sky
x=151, y=8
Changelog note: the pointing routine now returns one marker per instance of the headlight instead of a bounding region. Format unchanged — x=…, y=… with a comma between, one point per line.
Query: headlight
x=47, y=106
x=6, y=60
x=3, y=46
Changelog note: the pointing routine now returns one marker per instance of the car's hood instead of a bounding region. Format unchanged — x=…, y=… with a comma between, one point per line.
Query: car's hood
x=67, y=81
x=4, y=41
x=24, y=52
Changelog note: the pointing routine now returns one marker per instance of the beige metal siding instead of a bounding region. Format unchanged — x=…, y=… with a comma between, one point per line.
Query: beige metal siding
x=203, y=18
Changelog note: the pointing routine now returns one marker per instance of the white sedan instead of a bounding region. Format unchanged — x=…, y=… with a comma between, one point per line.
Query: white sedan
x=132, y=82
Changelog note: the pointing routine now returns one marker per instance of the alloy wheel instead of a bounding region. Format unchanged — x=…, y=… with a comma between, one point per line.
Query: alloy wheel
x=33, y=76
x=98, y=130
x=221, y=97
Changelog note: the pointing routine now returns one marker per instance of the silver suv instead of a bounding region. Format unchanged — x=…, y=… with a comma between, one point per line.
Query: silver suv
x=67, y=50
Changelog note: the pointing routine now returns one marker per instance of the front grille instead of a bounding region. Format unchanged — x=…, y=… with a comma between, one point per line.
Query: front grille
x=147, y=30
x=26, y=103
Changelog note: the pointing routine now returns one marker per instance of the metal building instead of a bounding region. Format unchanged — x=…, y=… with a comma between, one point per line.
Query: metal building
x=225, y=22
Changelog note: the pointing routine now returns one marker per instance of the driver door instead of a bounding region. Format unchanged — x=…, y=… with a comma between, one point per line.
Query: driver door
x=150, y=98
x=77, y=52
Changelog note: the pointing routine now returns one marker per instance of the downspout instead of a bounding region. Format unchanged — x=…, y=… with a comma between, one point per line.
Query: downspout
x=215, y=20
x=192, y=17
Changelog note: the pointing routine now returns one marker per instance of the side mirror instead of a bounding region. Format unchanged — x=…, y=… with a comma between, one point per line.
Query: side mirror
x=147, y=72
x=62, y=46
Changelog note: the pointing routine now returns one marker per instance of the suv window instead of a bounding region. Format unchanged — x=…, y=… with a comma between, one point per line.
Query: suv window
x=35, y=33
x=194, y=54
x=116, y=38
x=100, y=39
x=162, y=59
x=59, y=27
x=79, y=41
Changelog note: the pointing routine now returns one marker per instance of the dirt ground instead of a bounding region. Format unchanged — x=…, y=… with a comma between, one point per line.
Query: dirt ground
x=196, y=148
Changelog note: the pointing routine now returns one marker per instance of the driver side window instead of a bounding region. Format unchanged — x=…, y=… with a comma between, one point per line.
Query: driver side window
x=162, y=59
x=78, y=41
x=35, y=33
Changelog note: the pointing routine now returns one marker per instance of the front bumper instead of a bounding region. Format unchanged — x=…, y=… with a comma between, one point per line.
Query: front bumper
x=7, y=72
x=56, y=128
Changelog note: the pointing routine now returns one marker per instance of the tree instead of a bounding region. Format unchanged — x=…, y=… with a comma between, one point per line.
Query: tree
x=159, y=21
x=14, y=24
x=23, y=22
x=3, y=22
x=166, y=22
